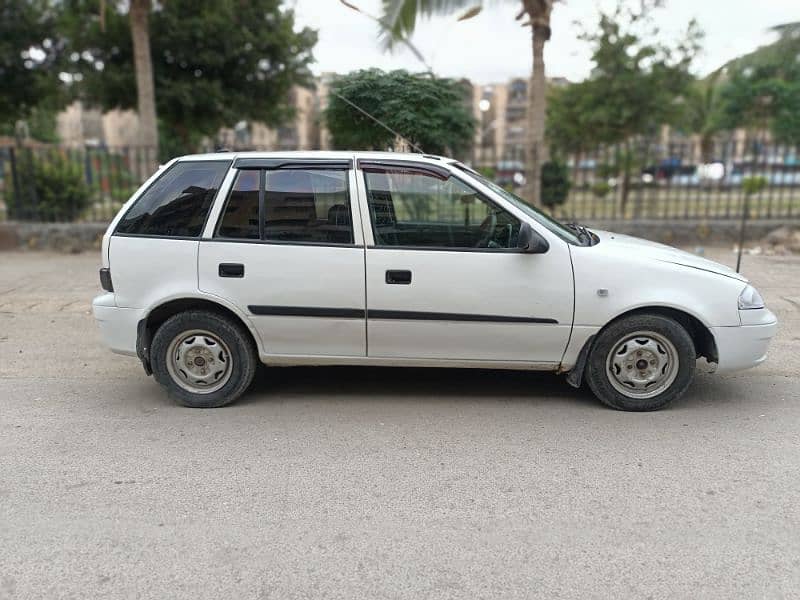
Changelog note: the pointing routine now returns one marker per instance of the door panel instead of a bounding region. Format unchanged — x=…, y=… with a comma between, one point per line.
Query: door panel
x=470, y=305
x=306, y=300
x=466, y=292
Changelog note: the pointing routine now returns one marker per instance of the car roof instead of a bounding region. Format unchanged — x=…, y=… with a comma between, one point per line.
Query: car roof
x=321, y=154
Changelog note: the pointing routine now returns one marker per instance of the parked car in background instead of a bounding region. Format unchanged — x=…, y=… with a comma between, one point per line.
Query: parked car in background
x=223, y=260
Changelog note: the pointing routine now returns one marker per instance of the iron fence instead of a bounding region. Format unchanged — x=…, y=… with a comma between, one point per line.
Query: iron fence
x=643, y=180
x=60, y=184
x=683, y=181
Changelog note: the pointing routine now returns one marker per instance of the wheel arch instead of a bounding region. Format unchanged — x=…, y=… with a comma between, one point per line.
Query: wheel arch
x=704, y=343
x=159, y=313
x=701, y=335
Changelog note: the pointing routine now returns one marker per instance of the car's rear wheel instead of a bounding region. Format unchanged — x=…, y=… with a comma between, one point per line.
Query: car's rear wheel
x=203, y=359
x=641, y=363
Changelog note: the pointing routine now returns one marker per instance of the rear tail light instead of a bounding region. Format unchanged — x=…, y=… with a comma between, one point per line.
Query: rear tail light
x=105, y=280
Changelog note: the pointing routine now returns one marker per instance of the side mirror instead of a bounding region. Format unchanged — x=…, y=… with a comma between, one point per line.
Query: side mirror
x=530, y=242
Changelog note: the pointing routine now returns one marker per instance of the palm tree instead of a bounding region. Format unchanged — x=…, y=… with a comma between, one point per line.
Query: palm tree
x=703, y=113
x=139, y=15
x=400, y=17
x=143, y=66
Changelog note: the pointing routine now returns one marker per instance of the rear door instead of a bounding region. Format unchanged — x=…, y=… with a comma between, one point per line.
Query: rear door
x=287, y=250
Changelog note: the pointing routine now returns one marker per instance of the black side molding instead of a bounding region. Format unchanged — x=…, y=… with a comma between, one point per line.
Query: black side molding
x=307, y=311
x=407, y=315
x=412, y=315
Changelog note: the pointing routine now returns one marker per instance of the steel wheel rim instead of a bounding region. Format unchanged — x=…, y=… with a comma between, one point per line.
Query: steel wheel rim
x=199, y=361
x=642, y=365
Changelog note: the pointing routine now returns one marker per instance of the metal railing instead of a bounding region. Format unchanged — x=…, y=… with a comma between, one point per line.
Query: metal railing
x=642, y=181
x=683, y=182
x=60, y=184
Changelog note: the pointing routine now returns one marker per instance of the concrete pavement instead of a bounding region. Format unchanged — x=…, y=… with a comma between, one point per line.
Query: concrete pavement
x=381, y=483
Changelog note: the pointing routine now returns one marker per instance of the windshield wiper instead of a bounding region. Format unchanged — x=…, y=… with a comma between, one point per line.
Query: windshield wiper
x=584, y=235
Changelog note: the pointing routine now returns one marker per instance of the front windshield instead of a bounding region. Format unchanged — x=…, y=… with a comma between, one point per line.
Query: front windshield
x=543, y=219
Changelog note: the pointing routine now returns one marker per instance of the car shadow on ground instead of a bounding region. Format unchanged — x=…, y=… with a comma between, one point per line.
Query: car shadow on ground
x=427, y=385
x=407, y=383
x=434, y=385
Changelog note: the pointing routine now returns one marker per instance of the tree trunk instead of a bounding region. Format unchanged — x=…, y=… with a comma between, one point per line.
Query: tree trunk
x=143, y=65
x=707, y=147
x=536, y=155
x=638, y=203
x=625, y=188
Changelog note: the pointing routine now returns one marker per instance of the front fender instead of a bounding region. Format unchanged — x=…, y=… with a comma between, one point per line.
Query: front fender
x=607, y=286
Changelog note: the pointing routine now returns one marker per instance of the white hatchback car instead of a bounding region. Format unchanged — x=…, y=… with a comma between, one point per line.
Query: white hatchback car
x=366, y=258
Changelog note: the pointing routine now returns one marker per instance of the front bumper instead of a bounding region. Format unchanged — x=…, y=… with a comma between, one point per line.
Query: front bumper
x=117, y=325
x=745, y=346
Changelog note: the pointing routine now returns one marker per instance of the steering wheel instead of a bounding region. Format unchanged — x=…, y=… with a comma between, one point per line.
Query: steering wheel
x=487, y=230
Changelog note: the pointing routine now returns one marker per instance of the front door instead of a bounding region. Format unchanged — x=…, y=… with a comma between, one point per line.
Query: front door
x=444, y=277
x=286, y=251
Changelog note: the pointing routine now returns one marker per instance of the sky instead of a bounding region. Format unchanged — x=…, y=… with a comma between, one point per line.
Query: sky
x=492, y=47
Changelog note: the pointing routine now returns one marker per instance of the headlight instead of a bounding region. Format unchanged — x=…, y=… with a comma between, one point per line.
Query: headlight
x=750, y=299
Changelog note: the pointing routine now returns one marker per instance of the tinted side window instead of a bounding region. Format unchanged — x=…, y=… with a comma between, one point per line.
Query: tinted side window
x=177, y=203
x=240, y=219
x=307, y=206
x=414, y=208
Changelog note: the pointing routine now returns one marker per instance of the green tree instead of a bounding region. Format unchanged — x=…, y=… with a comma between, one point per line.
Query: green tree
x=39, y=123
x=568, y=111
x=555, y=183
x=52, y=188
x=635, y=86
x=702, y=112
x=763, y=88
x=215, y=62
x=428, y=111
x=401, y=16
x=29, y=51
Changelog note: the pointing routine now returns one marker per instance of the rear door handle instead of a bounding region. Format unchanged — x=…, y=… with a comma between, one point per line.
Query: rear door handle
x=231, y=270
x=398, y=277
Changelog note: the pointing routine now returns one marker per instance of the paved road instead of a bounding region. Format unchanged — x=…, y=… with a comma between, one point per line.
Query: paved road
x=378, y=483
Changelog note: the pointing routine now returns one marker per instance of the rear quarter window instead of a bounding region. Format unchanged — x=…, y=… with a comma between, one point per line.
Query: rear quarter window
x=177, y=203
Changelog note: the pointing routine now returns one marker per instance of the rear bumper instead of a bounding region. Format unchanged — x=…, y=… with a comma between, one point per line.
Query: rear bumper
x=117, y=325
x=745, y=346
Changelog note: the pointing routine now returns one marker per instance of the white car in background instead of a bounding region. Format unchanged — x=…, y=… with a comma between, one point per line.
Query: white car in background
x=364, y=258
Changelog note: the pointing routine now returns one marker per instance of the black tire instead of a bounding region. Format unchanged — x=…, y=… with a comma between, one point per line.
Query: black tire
x=242, y=355
x=607, y=340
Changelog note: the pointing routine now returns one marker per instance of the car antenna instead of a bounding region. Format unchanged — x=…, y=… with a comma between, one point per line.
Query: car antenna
x=378, y=121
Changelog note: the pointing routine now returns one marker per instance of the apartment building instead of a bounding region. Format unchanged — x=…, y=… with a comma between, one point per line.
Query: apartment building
x=500, y=111
x=78, y=126
x=302, y=132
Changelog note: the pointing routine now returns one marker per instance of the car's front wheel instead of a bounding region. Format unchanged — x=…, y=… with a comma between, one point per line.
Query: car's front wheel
x=641, y=363
x=203, y=359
